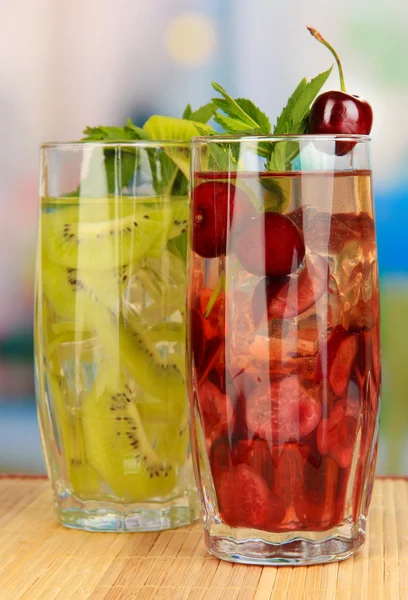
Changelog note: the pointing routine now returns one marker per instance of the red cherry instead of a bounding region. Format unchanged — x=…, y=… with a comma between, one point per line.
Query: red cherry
x=217, y=207
x=282, y=411
x=291, y=296
x=270, y=245
x=336, y=435
x=336, y=112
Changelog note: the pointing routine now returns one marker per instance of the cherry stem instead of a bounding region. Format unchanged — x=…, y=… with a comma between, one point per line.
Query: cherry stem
x=321, y=39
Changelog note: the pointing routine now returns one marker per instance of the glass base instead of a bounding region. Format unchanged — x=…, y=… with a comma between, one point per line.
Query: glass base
x=114, y=517
x=288, y=549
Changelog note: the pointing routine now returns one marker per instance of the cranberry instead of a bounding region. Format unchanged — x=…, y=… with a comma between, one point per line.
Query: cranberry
x=217, y=207
x=336, y=112
x=271, y=245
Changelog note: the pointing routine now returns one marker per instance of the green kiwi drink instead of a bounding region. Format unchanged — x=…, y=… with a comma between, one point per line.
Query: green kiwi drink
x=110, y=356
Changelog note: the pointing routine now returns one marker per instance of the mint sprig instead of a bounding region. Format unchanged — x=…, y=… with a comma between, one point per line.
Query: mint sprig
x=242, y=116
x=293, y=117
x=201, y=115
x=129, y=132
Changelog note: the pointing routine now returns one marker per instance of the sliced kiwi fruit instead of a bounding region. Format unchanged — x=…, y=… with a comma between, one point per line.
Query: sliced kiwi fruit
x=118, y=447
x=89, y=299
x=73, y=293
x=166, y=426
x=172, y=129
x=75, y=237
x=81, y=477
x=158, y=377
x=179, y=217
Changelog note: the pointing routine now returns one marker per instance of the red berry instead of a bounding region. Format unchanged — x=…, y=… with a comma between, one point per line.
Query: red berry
x=336, y=435
x=337, y=112
x=282, y=411
x=270, y=245
x=218, y=207
x=289, y=297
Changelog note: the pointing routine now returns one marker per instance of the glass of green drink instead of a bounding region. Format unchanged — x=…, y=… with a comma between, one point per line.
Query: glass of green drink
x=109, y=334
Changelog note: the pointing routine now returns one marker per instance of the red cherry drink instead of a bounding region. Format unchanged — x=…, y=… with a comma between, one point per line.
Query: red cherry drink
x=284, y=346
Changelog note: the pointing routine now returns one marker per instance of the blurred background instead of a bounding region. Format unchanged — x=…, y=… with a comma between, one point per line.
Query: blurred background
x=72, y=63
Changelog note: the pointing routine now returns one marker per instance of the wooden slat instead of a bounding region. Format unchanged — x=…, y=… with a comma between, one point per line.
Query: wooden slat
x=40, y=560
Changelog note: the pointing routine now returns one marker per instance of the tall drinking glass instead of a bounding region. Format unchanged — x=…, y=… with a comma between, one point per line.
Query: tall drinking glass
x=110, y=334
x=283, y=343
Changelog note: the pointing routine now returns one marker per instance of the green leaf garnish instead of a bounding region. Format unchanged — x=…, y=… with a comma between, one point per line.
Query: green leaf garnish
x=201, y=115
x=114, y=134
x=242, y=115
x=292, y=119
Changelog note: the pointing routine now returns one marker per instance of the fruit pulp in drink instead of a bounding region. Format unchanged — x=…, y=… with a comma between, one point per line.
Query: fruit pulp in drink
x=286, y=367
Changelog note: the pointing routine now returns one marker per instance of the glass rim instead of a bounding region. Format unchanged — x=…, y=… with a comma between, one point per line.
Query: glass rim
x=112, y=144
x=308, y=137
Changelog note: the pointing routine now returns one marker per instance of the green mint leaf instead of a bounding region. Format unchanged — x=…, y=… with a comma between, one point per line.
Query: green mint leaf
x=298, y=105
x=283, y=123
x=232, y=108
x=241, y=115
x=138, y=132
x=188, y=111
x=231, y=125
x=293, y=120
x=203, y=114
x=219, y=156
x=264, y=124
x=108, y=134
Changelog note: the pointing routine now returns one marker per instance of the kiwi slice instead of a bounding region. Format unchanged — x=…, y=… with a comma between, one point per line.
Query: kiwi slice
x=118, y=447
x=166, y=426
x=172, y=129
x=80, y=236
x=81, y=477
x=73, y=294
x=89, y=299
x=179, y=221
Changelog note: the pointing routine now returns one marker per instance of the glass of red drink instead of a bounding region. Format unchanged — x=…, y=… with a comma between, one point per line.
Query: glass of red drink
x=284, y=369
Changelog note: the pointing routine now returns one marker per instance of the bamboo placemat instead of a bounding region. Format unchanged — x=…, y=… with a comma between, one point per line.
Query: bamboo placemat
x=40, y=560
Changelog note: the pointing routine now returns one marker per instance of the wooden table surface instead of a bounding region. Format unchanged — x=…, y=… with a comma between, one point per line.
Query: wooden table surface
x=41, y=560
